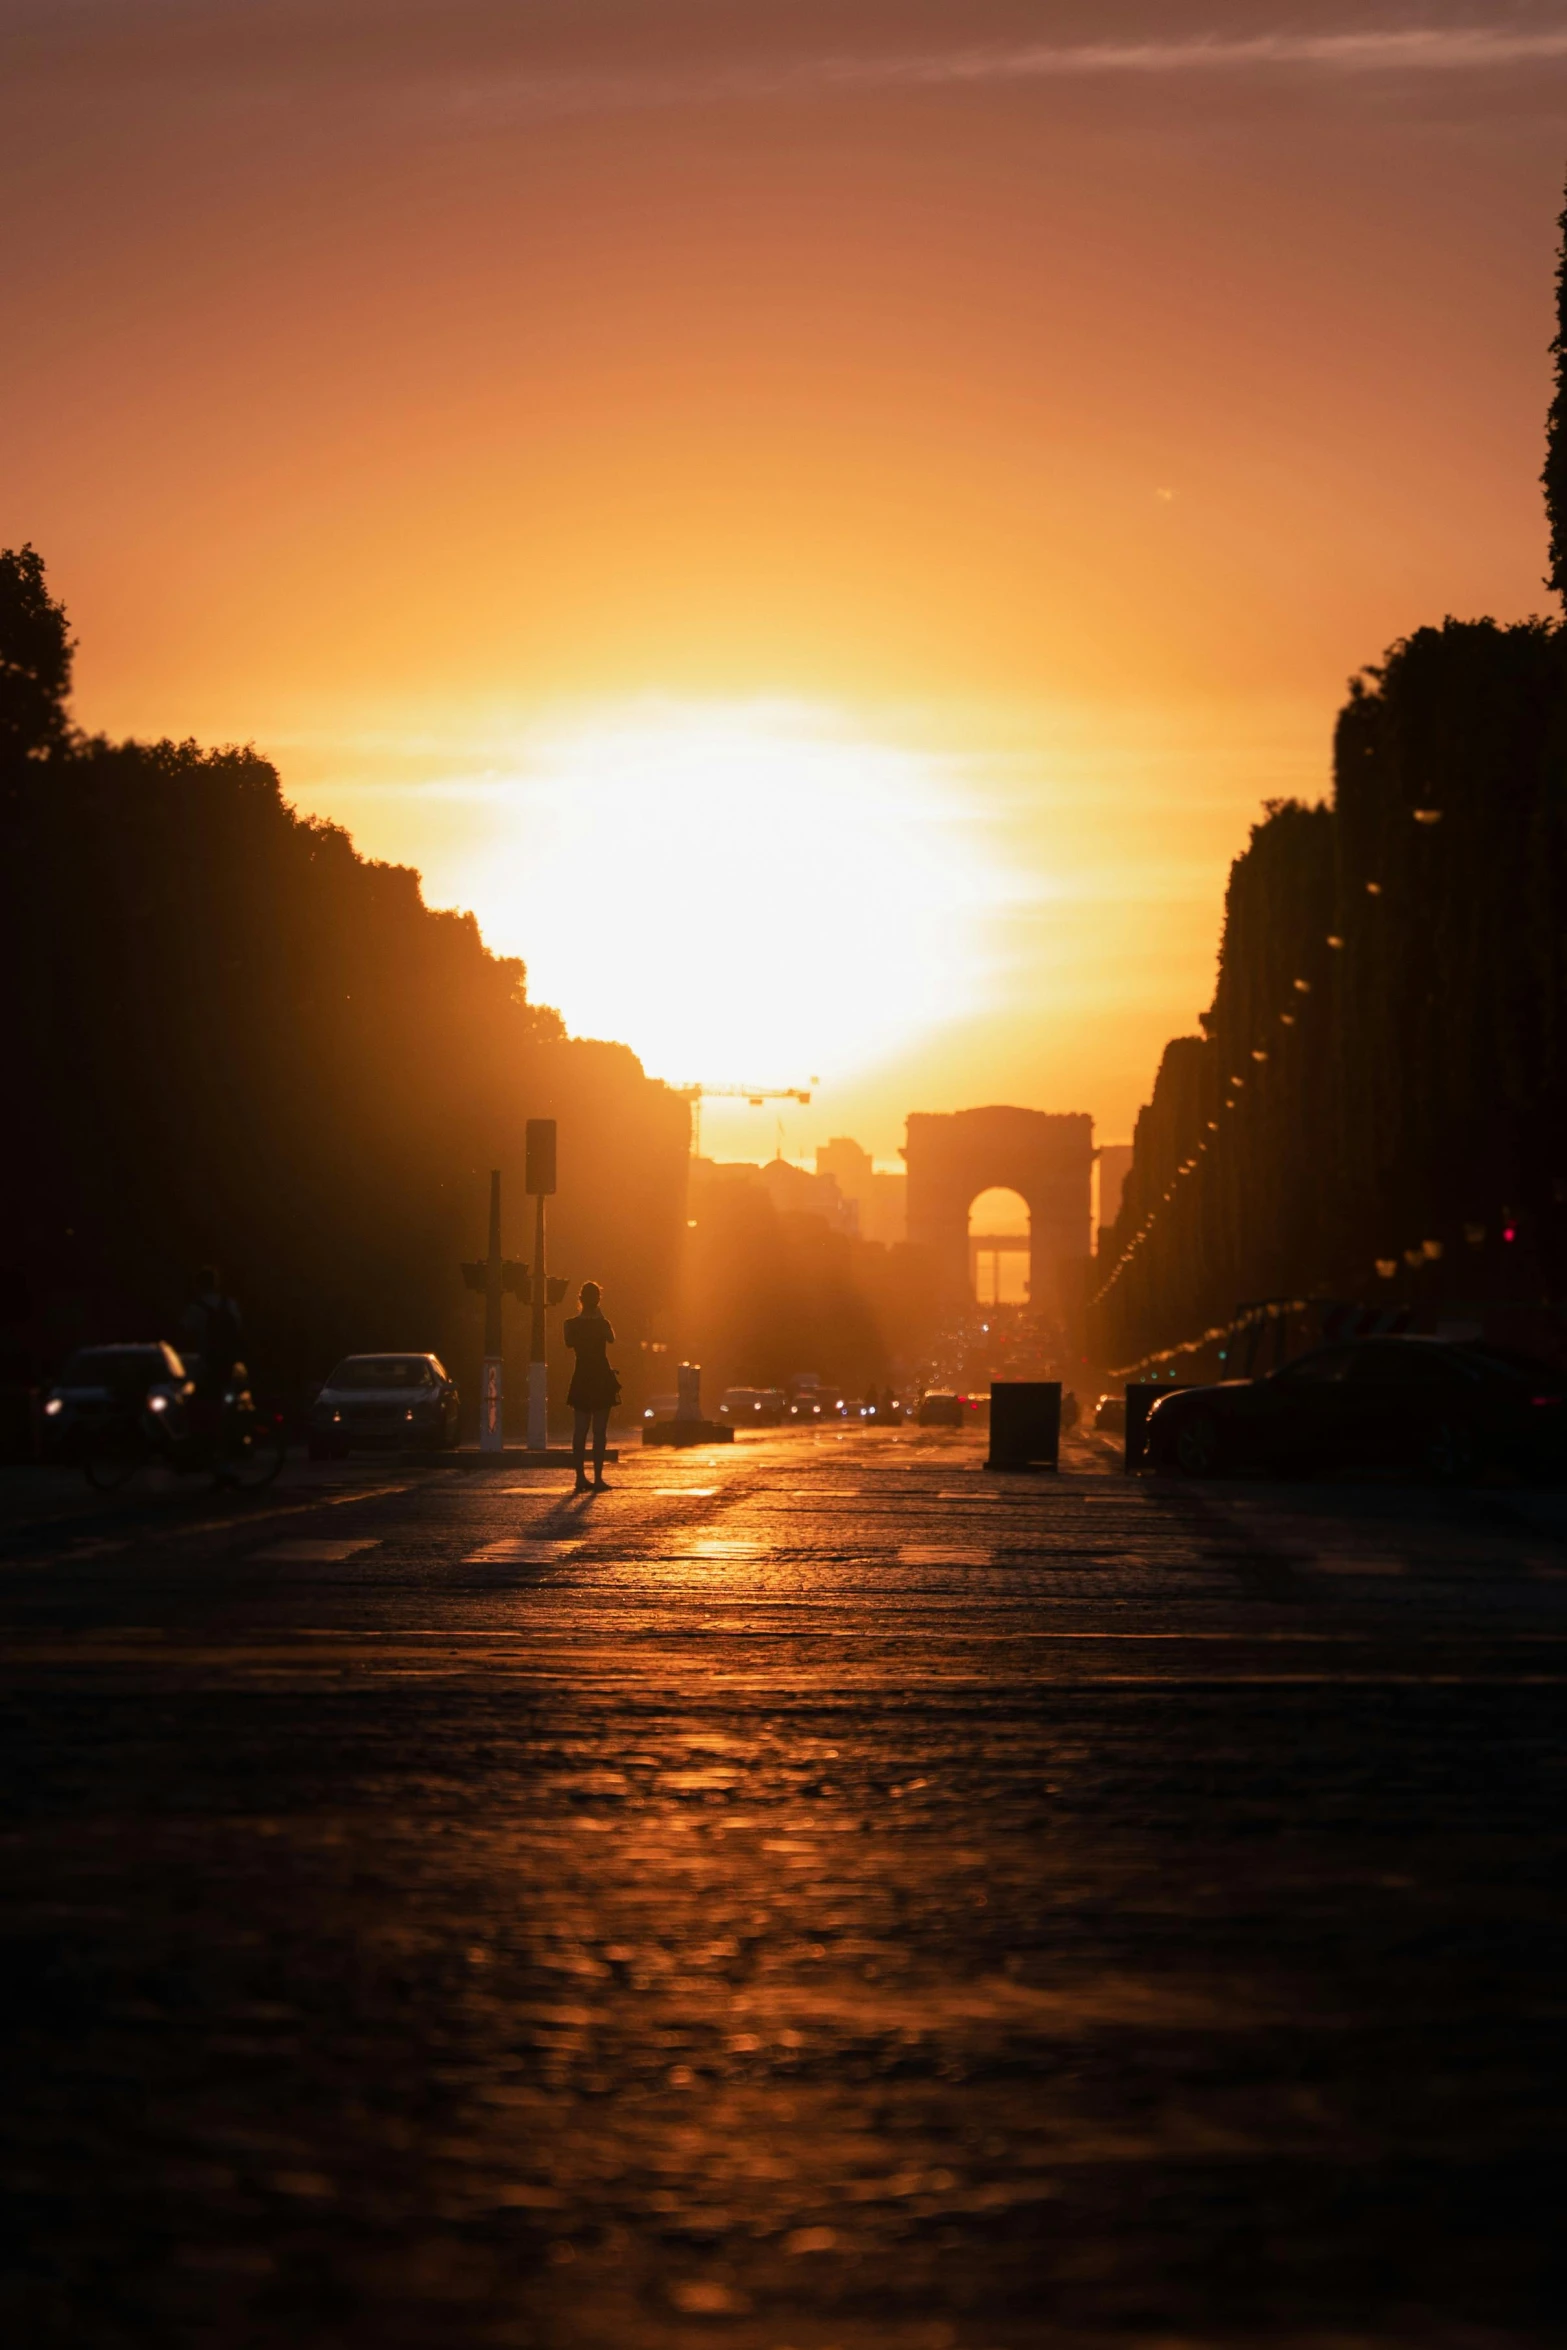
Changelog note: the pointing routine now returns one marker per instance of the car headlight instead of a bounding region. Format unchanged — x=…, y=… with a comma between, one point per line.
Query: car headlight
x=157, y=1403
x=55, y=1406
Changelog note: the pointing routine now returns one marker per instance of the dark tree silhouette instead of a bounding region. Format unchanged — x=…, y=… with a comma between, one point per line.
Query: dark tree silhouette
x=35, y=659
x=1407, y=1082
x=229, y=1037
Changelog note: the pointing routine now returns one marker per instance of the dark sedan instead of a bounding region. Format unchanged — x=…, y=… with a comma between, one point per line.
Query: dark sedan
x=102, y=1386
x=1445, y=1409
x=379, y=1402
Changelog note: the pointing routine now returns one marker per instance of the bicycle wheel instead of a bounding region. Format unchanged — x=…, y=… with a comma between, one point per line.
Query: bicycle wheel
x=252, y=1453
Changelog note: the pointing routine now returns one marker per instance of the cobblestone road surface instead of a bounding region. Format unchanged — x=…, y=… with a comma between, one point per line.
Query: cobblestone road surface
x=814, y=1897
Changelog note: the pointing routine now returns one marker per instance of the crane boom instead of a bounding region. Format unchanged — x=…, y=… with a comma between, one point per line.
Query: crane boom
x=754, y=1094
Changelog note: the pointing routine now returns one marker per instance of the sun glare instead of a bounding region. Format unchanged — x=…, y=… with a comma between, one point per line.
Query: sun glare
x=743, y=892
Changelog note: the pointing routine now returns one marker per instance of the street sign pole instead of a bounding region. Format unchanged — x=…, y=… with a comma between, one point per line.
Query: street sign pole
x=492, y=1415
x=541, y=1182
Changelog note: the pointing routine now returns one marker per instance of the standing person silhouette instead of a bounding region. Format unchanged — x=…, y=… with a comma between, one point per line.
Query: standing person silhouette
x=595, y=1388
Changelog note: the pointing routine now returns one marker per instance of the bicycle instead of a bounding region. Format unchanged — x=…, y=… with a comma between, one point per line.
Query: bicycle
x=234, y=1442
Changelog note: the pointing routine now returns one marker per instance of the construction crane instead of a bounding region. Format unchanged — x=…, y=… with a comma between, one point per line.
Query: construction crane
x=754, y=1094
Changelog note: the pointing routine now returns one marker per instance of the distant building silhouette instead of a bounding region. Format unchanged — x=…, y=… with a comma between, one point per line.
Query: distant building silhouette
x=1115, y=1164
x=880, y=1196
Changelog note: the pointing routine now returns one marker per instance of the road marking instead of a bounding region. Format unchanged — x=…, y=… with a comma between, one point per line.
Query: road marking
x=307, y=1553
x=522, y=1550
x=151, y=1534
x=289, y=1509
x=718, y=1548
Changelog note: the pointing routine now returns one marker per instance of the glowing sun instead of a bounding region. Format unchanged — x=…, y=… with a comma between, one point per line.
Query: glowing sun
x=741, y=891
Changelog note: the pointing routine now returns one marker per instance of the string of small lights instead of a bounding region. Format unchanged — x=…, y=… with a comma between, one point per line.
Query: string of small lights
x=1255, y=1318
x=1421, y=1253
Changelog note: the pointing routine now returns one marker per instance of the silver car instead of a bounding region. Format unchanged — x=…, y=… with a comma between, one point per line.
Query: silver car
x=384, y=1403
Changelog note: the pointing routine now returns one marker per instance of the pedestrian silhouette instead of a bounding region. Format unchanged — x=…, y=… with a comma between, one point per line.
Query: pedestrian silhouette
x=595, y=1387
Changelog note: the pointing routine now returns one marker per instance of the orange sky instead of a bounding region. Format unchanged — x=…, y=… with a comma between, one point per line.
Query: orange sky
x=1074, y=394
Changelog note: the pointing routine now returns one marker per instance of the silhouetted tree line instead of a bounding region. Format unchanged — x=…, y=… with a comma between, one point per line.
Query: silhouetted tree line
x=228, y=1036
x=1376, y=1109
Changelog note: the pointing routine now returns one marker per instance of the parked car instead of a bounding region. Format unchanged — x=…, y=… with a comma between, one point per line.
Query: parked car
x=939, y=1407
x=382, y=1403
x=102, y=1386
x=1110, y=1415
x=1447, y=1409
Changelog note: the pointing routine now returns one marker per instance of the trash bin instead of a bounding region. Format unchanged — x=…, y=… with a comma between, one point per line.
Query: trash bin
x=1025, y=1424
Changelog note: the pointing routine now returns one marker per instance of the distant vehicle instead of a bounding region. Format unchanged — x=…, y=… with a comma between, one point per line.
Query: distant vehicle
x=743, y=1407
x=774, y=1405
x=660, y=1407
x=1110, y=1415
x=382, y=1403
x=101, y=1384
x=1444, y=1408
x=116, y=1408
x=807, y=1405
x=941, y=1408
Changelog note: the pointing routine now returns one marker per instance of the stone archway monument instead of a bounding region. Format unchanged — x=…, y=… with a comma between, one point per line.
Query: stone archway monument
x=1048, y=1160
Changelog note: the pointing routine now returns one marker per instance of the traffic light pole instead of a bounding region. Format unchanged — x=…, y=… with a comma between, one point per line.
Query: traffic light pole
x=538, y=1365
x=545, y=1293
x=494, y=1277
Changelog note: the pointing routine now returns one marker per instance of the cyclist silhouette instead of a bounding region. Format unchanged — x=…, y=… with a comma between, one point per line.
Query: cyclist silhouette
x=213, y=1331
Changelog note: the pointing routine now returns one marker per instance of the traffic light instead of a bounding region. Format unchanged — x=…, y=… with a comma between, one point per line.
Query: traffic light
x=541, y=1157
x=554, y=1289
x=516, y=1280
x=476, y=1277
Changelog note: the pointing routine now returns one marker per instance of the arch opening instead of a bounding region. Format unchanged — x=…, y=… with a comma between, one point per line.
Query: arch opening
x=1000, y=1239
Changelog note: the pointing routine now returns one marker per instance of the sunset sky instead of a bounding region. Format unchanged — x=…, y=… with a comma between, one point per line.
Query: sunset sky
x=823, y=522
